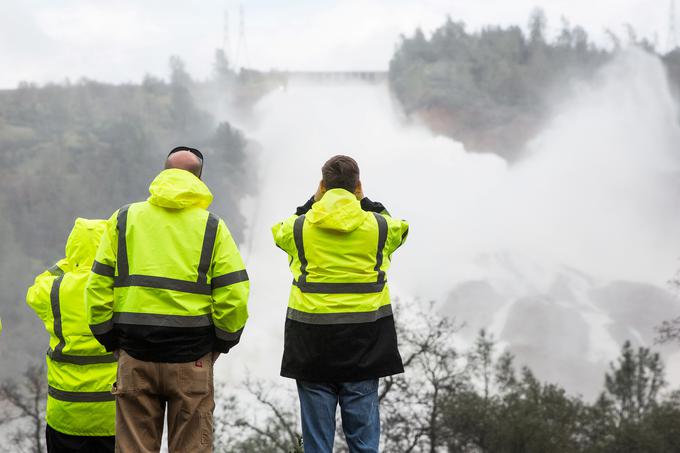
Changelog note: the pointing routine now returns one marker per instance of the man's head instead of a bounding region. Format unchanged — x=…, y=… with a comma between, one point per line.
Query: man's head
x=184, y=158
x=341, y=172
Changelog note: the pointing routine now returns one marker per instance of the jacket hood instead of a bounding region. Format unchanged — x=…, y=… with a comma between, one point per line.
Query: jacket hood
x=337, y=210
x=82, y=243
x=179, y=189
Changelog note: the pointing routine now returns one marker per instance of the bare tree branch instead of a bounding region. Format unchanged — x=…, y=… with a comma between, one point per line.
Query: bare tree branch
x=668, y=331
x=27, y=402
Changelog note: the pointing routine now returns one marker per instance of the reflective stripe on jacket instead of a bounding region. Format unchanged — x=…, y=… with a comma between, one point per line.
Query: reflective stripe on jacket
x=339, y=323
x=80, y=372
x=168, y=283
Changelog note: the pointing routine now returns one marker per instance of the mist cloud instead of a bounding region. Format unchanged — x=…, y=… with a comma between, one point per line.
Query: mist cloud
x=590, y=204
x=51, y=41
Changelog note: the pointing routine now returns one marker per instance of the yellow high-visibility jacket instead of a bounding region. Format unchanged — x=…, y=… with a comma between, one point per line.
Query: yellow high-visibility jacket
x=339, y=325
x=168, y=283
x=80, y=372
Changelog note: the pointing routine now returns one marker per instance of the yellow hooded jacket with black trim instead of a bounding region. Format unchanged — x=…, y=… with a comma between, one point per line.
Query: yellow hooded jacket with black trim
x=339, y=324
x=168, y=283
x=80, y=372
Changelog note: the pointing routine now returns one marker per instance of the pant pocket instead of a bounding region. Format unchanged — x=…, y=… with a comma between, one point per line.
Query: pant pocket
x=206, y=429
x=364, y=387
x=123, y=382
x=196, y=377
x=130, y=376
x=193, y=432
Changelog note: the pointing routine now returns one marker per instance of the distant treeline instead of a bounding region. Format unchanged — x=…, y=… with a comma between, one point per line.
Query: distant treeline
x=491, y=89
x=450, y=399
x=85, y=149
x=476, y=400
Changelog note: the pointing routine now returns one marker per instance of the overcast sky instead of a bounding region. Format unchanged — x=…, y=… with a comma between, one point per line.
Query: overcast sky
x=120, y=41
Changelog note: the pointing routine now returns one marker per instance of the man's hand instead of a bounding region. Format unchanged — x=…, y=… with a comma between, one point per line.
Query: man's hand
x=319, y=191
x=215, y=356
x=301, y=210
x=359, y=191
x=373, y=206
x=116, y=353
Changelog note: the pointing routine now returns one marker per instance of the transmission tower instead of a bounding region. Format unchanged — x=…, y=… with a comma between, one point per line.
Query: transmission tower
x=242, y=48
x=672, y=31
x=225, y=35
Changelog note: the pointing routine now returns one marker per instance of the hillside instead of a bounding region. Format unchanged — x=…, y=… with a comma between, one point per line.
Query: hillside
x=493, y=89
x=85, y=149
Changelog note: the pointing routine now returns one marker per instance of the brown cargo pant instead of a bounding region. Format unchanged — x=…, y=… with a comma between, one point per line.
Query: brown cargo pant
x=143, y=389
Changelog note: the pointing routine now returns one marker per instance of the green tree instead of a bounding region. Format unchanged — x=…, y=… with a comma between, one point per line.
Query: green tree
x=634, y=382
x=538, y=24
x=512, y=415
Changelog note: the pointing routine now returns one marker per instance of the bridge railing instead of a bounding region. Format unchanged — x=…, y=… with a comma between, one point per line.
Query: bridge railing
x=327, y=76
x=320, y=76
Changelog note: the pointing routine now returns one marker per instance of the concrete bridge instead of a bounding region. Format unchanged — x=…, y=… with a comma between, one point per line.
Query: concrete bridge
x=336, y=76
x=317, y=76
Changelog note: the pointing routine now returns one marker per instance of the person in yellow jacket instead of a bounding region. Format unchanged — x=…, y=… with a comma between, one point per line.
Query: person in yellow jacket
x=340, y=335
x=80, y=372
x=169, y=291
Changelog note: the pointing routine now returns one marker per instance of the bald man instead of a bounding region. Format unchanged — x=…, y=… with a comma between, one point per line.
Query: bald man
x=184, y=159
x=167, y=294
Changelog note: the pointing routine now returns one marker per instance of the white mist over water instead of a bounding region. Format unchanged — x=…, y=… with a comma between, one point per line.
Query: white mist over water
x=592, y=202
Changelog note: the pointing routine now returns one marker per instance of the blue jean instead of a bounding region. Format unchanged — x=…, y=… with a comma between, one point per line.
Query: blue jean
x=358, y=409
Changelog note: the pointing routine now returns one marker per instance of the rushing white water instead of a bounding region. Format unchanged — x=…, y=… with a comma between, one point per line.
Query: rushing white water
x=591, y=204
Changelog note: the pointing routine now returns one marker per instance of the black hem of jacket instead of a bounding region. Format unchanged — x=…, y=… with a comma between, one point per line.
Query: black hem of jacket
x=58, y=442
x=223, y=346
x=340, y=352
x=306, y=377
x=166, y=344
x=108, y=340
